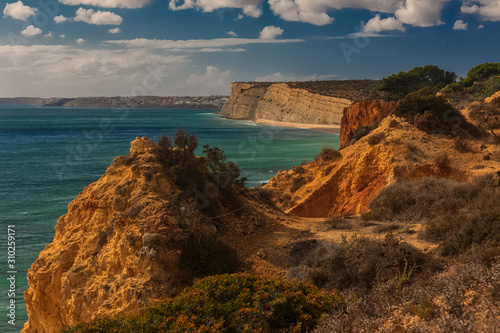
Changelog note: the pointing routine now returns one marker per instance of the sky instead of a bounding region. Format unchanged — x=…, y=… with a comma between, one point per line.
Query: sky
x=72, y=48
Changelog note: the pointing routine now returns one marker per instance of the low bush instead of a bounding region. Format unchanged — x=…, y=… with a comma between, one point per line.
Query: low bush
x=477, y=228
x=375, y=139
x=359, y=264
x=363, y=131
x=425, y=198
x=328, y=154
x=297, y=183
x=230, y=303
x=204, y=254
x=430, y=113
x=461, y=299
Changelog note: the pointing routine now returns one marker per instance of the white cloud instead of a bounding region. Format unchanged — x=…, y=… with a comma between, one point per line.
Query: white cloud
x=108, y=3
x=278, y=77
x=60, y=19
x=460, y=25
x=48, y=35
x=62, y=36
x=231, y=33
x=68, y=69
x=481, y=27
x=80, y=41
x=97, y=17
x=212, y=77
x=31, y=31
x=270, y=32
x=115, y=31
x=421, y=13
x=377, y=24
x=195, y=43
x=18, y=11
x=252, y=8
x=488, y=10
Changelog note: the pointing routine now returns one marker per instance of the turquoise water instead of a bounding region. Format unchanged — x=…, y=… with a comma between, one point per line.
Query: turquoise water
x=48, y=155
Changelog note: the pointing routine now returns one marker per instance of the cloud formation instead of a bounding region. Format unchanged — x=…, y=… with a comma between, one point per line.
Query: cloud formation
x=377, y=24
x=60, y=19
x=97, y=17
x=31, y=31
x=252, y=8
x=18, y=11
x=270, y=32
x=195, y=43
x=460, y=25
x=70, y=68
x=488, y=10
x=108, y=3
x=115, y=31
x=212, y=77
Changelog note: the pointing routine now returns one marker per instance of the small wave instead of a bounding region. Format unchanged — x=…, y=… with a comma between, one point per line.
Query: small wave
x=23, y=213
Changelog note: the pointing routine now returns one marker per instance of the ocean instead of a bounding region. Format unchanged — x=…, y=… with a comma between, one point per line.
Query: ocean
x=48, y=155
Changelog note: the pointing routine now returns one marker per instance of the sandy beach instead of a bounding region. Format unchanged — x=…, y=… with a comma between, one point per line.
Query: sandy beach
x=334, y=129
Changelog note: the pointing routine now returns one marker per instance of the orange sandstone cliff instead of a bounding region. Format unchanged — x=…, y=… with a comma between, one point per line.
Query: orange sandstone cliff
x=116, y=250
x=280, y=102
x=346, y=184
x=362, y=114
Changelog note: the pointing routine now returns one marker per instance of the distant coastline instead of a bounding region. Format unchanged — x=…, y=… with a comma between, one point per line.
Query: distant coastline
x=179, y=102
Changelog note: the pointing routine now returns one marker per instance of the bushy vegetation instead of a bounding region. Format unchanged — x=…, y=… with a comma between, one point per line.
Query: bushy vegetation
x=399, y=85
x=430, y=113
x=230, y=303
x=482, y=81
x=204, y=254
x=328, y=154
x=192, y=173
x=358, y=264
x=462, y=299
x=426, y=198
x=487, y=116
x=363, y=131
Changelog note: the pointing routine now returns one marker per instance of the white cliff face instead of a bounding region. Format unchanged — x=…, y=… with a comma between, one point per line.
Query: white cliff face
x=280, y=102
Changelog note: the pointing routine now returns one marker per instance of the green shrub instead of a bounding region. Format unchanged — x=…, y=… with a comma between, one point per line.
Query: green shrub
x=233, y=303
x=204, y=254
x=363, y=131
x=429, y=112
x=399, y=85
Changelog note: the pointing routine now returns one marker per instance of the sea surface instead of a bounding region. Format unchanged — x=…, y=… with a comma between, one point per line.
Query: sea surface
x=48, y=155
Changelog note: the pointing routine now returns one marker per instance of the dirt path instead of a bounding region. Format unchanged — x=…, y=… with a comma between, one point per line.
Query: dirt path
x=267, y=250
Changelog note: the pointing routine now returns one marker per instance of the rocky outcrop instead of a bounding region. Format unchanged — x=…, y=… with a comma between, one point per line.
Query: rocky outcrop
x=116, y=250
x=348, y=182
x=280, y=102
x=362, y=114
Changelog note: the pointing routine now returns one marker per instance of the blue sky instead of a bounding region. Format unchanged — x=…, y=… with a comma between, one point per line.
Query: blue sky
x=70, y=48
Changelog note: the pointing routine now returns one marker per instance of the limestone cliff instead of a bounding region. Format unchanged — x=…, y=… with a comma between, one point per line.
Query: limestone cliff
x=362, y=114
x=117, y=248
x=395, y=150
x=280, y=102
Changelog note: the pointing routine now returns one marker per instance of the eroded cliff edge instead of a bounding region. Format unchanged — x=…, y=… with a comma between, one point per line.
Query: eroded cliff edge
x=281, y=102
x=117, y=248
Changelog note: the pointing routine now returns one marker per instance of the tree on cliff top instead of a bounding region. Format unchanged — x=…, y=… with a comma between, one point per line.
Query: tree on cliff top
x=399, y=85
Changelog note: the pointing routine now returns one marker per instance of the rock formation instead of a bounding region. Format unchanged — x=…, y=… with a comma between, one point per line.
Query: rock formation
x=117, y=248
x=395, y=150
x=362, y=114
x=280, y=102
